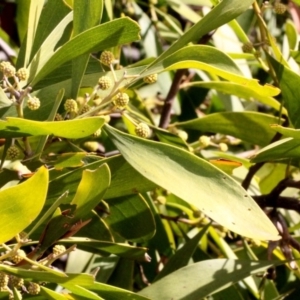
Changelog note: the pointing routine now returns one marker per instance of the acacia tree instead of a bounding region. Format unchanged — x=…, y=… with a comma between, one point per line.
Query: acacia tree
x=150, y=150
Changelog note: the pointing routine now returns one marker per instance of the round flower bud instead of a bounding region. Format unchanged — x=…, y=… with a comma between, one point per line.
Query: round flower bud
x=84, y=109
x=223, y=147
x=104, y=83
x=33, y=288
x=150, y=78
x=247, y=47
x=71, y=106
x=19, y=256
x=7, y=69
x=58, y=249
x=182, y=134
x=204, y=141
x=58, y=117
x=121, y=100
x=279, y=8
x=142, y=130
x=107, y=58
x=33, y=103
x=97, y=133
x=13, y=152
x=22, y=74
x=16, y=281
x=4, y=278
x=91, y=146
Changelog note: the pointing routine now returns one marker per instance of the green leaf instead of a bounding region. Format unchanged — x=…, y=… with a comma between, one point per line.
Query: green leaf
x=66, y=160
x=86, y=15
x=123, y=250
x=28, y=200
x=110, y=34
x=109, y=292
x=289, y=85
x=201, y=279
x=214, y=61
x=287, y=148
x=81, y=291
x=183, y=255
x=288, y=132
x=131, y=217
x=49, y=294
x=236, y=124
x=209, y=189
x=91, y=189
x=239, y=90
x=72, y=129
x=291, y=33
x=224, y=12
x=4, y=101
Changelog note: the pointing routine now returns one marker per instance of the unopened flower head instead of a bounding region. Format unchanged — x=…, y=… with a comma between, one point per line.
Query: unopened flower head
x=150, y=78
x=33, y=103
x=4, y=278
x=58, y=249
x=247, y=47
x=223, y=147
x=19, y=256
x=33, y=288
x=7, y=69
x=84, y=109
x=107, y=58
x=71, y=106
x=204, y=141
x=22, y=74
x=142, y=130
x=16, y=281
x=121, y=100
x=279, y=8
x=104, y=83
x=13, y=152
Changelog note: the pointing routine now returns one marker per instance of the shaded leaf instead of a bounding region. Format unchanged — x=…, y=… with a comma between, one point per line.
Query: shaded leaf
x=201, y=279
x=131, y=217
x=236, y=124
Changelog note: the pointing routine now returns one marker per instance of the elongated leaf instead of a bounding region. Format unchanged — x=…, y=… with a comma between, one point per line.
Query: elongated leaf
x=87, y=195
x=114, y=293
x=236, y=124
x=131, y=217
x=49, y=294
x=80, y=291
x=201, y=279
x=197, y=182
x=119, y=31
x=123, y=250
x=239, y=90
x=210, y=59
x=287, y=148
x=22, y=203
x=289, y=132
x=183, y=255
x=221, y=14
x=4, y=101
x=72, y=129
x=289, y=85
x=86, y=15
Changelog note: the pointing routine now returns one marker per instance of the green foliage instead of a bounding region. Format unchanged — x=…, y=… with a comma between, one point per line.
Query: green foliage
x=179, y=180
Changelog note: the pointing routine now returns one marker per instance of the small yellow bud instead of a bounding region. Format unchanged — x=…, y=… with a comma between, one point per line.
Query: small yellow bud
x=33, y=103
x=204, y=141
x=58, y=249
x=22, y=74
x=4, y=278
x=97, y=133
x=142, y=130
x=150, y=78
x=223, y=147
x=13, y=152
x=107, y=58
x=182, y=134
x=121, y=100
x=33, y=288
x=7, y=69
x=16, y=281
x=279, y=8
x=91, y=146
x=104, y=83
x=19, y=256
x=71, y=106
x=58, y=117
x=84, y=109
x=247, y=47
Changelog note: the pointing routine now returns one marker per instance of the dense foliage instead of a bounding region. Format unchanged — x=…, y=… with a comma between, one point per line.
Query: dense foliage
x=149, y=150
